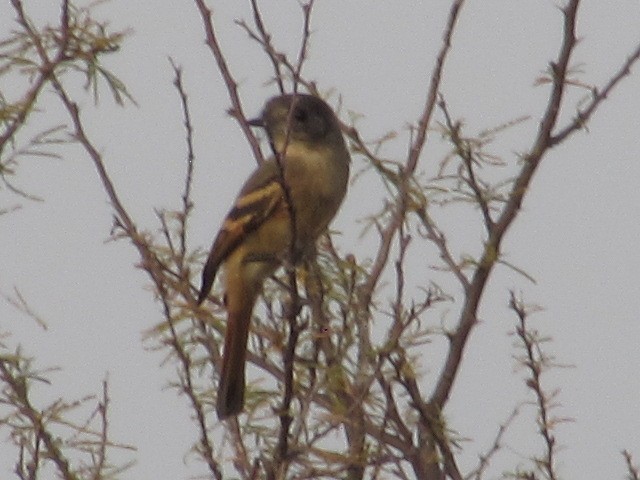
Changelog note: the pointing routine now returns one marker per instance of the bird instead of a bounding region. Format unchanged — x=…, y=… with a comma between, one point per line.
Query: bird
x=280, y=212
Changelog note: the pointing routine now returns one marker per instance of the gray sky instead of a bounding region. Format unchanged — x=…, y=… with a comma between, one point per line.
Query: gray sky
x=578, y=233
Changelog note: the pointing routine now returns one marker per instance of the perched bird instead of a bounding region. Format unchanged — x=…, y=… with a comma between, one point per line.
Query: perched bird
x=311, y=170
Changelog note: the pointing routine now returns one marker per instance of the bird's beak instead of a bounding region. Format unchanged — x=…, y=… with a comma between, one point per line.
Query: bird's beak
x=256, y=122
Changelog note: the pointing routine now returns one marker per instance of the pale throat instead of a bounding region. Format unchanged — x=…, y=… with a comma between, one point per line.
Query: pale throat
x=295, y=148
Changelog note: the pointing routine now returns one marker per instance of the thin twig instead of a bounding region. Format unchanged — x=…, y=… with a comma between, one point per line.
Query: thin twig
x=265, y=41
x=187, y=204
x=232, y=86
x=44, y=74
x=464, y=152
x=434, y=87
x=496, y=446
x=535, y=364
x=397, y=219
x=633, y=472
x=188, y=388
x=20, y=394
x=599, y=95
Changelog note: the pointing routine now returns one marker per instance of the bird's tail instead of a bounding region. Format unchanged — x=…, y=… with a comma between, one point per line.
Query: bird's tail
x=232, y=377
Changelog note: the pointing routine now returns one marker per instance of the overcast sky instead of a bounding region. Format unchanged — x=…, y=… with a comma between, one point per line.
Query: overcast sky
x=578, y=233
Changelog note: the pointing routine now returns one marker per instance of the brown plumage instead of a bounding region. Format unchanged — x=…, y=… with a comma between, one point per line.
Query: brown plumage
x=256, y=235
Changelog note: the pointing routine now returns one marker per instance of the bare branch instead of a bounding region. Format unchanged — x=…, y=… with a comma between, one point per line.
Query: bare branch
x=512, y=207
x=187, y=204
x=496, y=446
x=633, y=473
x=265, y=40
x=397, y=219
x=434, y=87
x=465, y=153
x=188, y=388
x=232, y=86
x=20, y=303
x=599, y=95
x=535, y=362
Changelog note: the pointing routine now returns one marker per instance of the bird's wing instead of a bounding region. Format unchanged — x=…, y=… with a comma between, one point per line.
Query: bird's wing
x=257, y=201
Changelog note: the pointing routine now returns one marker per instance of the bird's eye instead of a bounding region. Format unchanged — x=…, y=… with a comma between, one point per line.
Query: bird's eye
x=300, y=115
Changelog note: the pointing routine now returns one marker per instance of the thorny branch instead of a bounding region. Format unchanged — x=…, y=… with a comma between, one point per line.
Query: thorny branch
x=187, y=205
x=44, y=73
x=491, y=253
x=398, y=216
x=536, y=362
x=369, y=394
x=232, y=86
x=464, y=151
x=264, y=38
x=473, y=285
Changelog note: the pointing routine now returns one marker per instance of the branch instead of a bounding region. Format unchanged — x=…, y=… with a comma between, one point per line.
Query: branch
x=265, y=41
x=599, y=95
x=20, y=398
x=434, y=87
x=187, y=204
x=464, y=152
x=633, y=473
x=535, y=362
x=496, y=446
x=431, y=420
x=232, y=86
x=44, y=74
x=491, y=252
x=438, y=237
x=188, y=388
x=281, y=459
x=397, y=219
